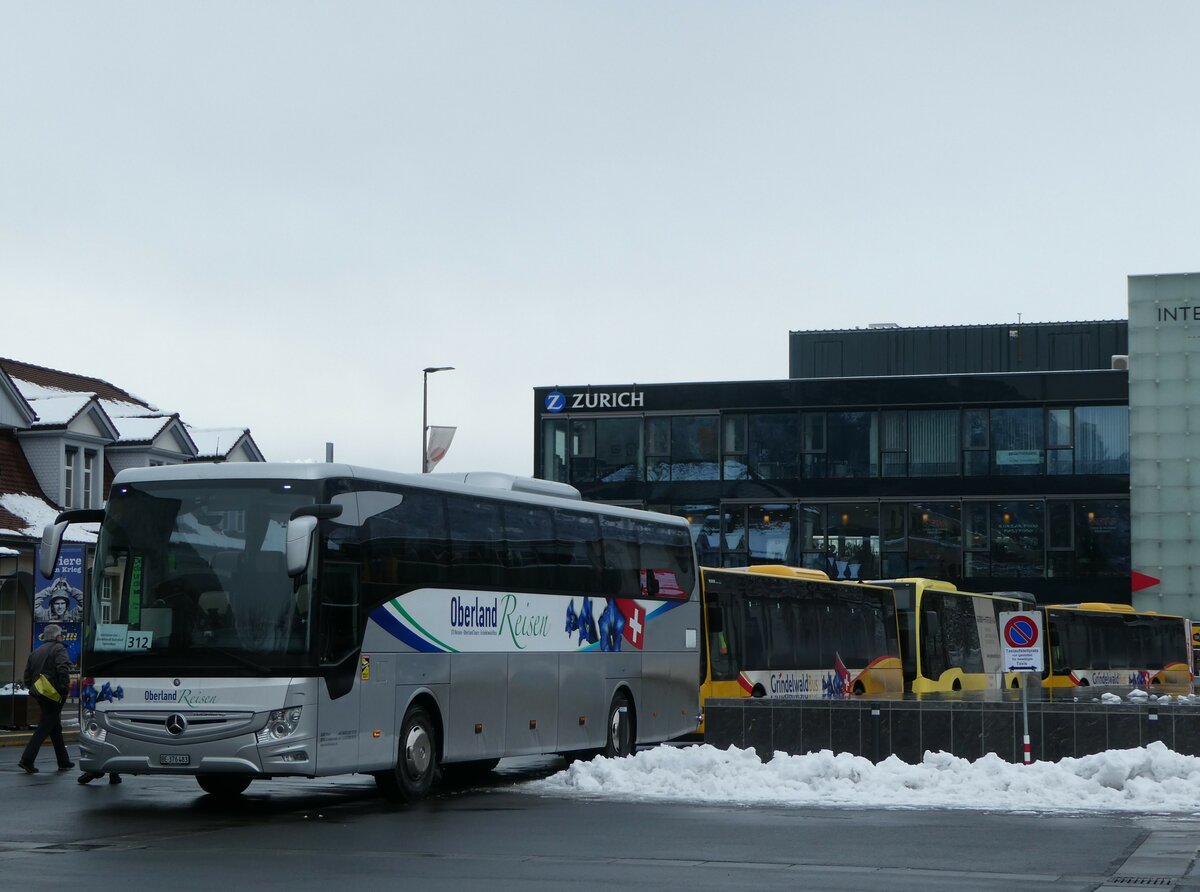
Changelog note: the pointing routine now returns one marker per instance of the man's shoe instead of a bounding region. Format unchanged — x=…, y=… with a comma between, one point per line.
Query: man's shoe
x=66, y=767
x=114, y=778
x=28, y=767
x=87, y=777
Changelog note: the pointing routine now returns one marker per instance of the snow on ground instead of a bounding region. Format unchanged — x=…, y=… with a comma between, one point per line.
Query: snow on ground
x=1147, y=779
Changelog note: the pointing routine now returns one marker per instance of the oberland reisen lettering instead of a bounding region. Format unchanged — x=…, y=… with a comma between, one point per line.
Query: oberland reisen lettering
x=626, y=400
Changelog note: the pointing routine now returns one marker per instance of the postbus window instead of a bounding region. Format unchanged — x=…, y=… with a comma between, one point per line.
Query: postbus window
x=622, y=557
x=530, y=554
x=476, y=541
x=580, y=553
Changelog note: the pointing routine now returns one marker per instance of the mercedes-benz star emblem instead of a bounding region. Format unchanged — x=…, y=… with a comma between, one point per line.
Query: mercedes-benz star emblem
x=176, y=724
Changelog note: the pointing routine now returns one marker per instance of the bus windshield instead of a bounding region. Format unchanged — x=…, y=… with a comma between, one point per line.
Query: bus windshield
x=193, y=576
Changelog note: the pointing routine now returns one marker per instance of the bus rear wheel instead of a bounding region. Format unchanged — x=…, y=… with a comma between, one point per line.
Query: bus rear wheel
x=622, y=736
x=223, y=786
x=416, y=759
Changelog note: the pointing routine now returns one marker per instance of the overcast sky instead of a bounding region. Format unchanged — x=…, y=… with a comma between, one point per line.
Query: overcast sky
x=274, y=215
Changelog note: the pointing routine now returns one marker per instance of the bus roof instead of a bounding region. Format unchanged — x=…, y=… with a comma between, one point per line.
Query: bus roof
x=920, y=582
x=481, y=483
x=1106, y=607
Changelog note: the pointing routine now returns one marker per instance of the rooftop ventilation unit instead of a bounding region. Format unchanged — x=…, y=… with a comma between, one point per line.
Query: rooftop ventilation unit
x=1120, y=361
x=882, y=325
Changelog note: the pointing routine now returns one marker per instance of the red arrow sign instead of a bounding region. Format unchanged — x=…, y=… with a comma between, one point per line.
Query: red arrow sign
x=1141, y=580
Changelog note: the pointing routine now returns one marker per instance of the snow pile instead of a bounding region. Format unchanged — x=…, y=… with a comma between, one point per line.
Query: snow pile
x=1146, y=779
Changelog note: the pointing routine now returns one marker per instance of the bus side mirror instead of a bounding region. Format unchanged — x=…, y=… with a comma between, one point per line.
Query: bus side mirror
x=52, y=535
x=299, y=543
x=301, y=526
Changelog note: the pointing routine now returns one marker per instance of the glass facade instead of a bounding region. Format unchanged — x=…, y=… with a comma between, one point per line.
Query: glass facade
x=893, y=443
x=944, y=539
x=994, y=483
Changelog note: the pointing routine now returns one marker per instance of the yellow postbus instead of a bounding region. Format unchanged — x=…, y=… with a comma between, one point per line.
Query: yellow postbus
x=950, y=639
x=776, y=631
x=1117, y=646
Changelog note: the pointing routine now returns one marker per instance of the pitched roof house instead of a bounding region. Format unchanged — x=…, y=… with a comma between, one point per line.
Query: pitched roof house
x=63, y=436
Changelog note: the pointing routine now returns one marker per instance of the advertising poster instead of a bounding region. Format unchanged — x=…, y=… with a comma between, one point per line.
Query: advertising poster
x=60, y=600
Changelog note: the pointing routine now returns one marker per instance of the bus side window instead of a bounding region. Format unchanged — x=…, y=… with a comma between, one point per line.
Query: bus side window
x=339, y=622
x=933, y=655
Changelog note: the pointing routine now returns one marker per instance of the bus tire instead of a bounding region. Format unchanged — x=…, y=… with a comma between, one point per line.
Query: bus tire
x=223, y=786
x=759, y=691
x=416, y=759
x=622, y=728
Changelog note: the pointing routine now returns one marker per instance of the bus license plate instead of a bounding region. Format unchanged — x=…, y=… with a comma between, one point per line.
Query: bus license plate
x=174, y=759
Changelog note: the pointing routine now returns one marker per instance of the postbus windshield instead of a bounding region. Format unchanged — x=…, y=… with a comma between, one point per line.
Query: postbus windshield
x=192, y=576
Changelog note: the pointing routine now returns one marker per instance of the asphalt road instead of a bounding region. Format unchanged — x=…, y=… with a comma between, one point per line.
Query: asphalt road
x=153, y=833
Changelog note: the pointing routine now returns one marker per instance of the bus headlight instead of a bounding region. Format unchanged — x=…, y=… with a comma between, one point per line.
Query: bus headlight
x=89, y=726
x=281, y=723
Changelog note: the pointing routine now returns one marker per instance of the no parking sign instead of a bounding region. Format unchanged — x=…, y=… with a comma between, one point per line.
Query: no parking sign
x=1021, y=638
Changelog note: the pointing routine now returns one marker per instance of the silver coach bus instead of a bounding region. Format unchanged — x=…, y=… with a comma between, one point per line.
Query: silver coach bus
x=262, y=620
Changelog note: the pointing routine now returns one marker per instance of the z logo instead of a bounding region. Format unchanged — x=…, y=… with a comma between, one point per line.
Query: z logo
x=555, y=402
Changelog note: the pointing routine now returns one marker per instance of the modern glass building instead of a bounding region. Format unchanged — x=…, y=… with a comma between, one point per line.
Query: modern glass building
x=996, y=457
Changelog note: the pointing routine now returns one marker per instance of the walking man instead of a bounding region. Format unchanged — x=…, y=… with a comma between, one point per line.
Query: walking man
x=48, y=678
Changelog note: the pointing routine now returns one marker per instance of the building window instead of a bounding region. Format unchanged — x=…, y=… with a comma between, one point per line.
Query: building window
x=705, y=522
x=770, y=530
x=1060, y=458
x=1018, y=440
x=975, y=442
x=1017, y=535
x=89, y=471
x=1102, y=440
x=812, y=444
x=976, y=558
x=895, y=445
x=1060, y=541
x=554, y=449
x=69, y=460
x=1102, y=537
x=658, y=448
x=106, y=597
x=694, y=447
x=772, y=445
x=733, y=448
x=618, y=450
x=813, y=542
x=933, y=443
x=852, y=549
x=893, y=540
x=852, y=441
x=583, y=450
x=935, y=539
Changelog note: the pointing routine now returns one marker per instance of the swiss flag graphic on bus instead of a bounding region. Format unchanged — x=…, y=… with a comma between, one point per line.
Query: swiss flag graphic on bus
x=635, y=621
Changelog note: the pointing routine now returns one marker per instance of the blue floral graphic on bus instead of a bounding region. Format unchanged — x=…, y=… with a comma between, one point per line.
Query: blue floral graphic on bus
x=107, y=694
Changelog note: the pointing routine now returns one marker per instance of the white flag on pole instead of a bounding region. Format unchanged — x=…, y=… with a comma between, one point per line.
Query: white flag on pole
x=439, y=444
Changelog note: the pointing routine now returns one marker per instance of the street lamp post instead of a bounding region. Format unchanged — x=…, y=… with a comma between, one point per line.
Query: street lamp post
x=425, y=412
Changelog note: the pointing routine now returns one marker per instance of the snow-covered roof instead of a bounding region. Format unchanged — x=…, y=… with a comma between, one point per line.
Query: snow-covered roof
x=215, y=442
x=59, y=410
x=36, y=512
x=141, y=430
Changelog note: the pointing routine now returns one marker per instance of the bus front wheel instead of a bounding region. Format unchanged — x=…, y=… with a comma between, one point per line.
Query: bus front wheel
x=223, y=786
x=416, y=759
x=622, y=735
